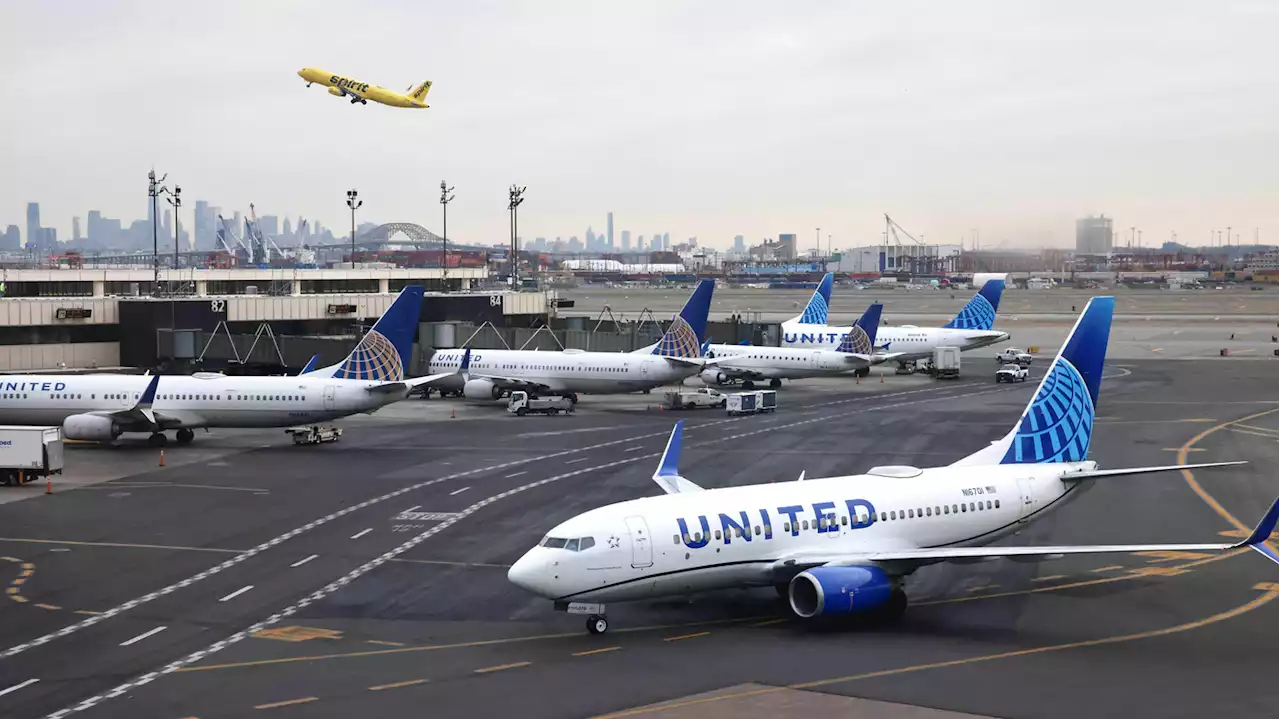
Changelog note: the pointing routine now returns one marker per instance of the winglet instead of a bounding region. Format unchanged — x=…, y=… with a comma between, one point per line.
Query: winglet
x=1262, y=532
x=149, y=396
x=465, y=365
x=668, y=473
x=310, y=365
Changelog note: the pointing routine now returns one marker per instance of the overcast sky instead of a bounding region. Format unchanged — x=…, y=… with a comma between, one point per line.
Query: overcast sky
x=704, y=119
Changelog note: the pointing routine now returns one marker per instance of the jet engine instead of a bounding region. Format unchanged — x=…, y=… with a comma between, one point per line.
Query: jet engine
x=836, y=591
x=481, y=389
x=90, y=427
x=335, y=91
x=713, y=377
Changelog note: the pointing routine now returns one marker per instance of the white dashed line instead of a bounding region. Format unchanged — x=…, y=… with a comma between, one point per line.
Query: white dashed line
x=458, y=491
x=301, y=562
x=143, y=635
x=633, y=449
x=358, y=535
x=575, y=461
x=236, y=593
x=16, y=687
x=515, y=474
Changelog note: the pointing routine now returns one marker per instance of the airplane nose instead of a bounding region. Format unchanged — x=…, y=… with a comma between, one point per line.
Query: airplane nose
x=527, y=573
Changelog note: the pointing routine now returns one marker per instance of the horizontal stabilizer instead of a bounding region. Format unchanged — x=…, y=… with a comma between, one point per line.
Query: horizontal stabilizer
x=1093, y=474
x=668, y=474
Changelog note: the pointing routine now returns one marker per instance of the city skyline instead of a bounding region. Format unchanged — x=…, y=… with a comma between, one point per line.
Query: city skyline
x=744, y=120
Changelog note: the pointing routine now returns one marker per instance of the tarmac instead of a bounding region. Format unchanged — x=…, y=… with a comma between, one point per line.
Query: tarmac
x=250, y=577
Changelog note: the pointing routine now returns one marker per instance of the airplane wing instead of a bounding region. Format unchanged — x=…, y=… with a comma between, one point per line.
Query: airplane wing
x=668, y=473
x=740, y=373
x=1256, y=541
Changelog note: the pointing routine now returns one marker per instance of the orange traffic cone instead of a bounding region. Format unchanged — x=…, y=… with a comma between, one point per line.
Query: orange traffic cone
x=881, y=378
x=162, y=458
x=48, y=488
x=453, y=413
x=857, y=379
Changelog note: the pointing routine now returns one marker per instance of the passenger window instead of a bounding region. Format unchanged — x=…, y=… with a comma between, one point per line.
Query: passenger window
x=997, y=504
x=988, y=504
x=676, y=538
x=928, y=511
x=786, y=526
x=737, y=532
x=893, y=514
x=757, y=530
x=946, y=509
x=883, y=516
x=844, y=521
x=911, y=514
x=954, y=509
x=571, y=545
x=805, y=525
x=717, y=534
x=962, y=508
x=971, y=507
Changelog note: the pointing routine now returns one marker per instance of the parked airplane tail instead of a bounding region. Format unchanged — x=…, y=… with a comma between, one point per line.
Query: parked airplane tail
x=861, y=338
x=815, y=313
x=688, y=329
x=420, y=92
x=980, y=312
x=384, y=353
x=1058, y=422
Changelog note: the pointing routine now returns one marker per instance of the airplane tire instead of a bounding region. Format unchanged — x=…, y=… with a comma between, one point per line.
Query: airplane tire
x=157, y=439
x=775, y=383
x=185, y=436
x=597, y=624
x=897, y=605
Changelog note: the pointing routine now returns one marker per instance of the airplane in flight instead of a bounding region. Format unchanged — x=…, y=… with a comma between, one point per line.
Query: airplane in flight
x=101, y=407
x=845, y=545
x=363, y=92
x=749, y=364
x=973, y=327
x=489, y=374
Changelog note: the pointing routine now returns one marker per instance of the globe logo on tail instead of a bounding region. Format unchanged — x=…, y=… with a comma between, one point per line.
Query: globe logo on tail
x=815, y=313
x=679, y=341
x=1058, y=424
x=856, y=342
x=978, y=314
x=375, y=359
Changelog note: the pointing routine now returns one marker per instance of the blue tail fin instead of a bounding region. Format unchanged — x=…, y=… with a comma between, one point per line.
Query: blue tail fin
x=1057, y=424
x=310, y=366
x=384, y=353
x=980, y=312
x=861, y=338
x=815, y=313
x=688, y=330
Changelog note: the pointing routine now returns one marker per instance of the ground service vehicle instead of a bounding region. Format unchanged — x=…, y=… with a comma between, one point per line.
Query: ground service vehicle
x=521, y=404
x=741, y=403
x=704, y=397
x=314, y=434
x=766, y=400
x=1012, y=373
x=946, y=362
x=29, y=452
x=1014, y=355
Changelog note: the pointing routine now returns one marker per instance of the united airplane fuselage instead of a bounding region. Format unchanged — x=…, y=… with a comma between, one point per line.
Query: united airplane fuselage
x=202, y=400
x=912, y=342
x=778, y=362
x=565, y=372
x=721, y=538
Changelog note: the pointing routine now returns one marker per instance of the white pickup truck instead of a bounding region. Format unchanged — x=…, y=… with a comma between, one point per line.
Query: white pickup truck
x=1011, y=373
x=1013, y=355
x=704, y=397
x=521, y=404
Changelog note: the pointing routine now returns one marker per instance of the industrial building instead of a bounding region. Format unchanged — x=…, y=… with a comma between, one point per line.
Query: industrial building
x=1094, y=235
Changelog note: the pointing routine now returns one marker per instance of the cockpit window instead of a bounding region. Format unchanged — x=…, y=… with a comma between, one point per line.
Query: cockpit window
x=554, y=542
x=571, y=545
x=586, y=543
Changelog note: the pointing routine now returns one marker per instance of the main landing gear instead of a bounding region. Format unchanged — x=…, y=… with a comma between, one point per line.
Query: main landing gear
x=157, y=439
x=185, y=435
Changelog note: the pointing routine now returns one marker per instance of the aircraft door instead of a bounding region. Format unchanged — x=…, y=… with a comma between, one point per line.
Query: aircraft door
x=815, y=360
x=641, y=547
x=644, y=369
x=330, y=397
x=1026, y=488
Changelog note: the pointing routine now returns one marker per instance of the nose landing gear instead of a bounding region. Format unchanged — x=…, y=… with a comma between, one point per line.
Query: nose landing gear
x=597, y=624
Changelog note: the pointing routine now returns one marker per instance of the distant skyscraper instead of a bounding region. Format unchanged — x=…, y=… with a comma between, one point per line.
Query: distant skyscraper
x=12, y=239
x=626, y=240
x=609, y=230
x=1093, y=235
x=288, y=228
x=33, y=222
x=739, y=243
x=238, y=222
x=202, y=225
x=270, y=225
x=75, y=228
x=666, y=240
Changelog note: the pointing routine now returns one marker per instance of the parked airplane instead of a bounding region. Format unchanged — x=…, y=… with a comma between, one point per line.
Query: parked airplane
x=970, y=329
x=493, y=373
x=100, y=407
x=753, y=364
x=843, y=545
x=363, y=92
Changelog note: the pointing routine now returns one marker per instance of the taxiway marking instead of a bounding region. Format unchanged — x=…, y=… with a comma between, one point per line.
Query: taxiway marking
x=289, y=702
x=16, y=687
x=686, y=636
x=120, y=544
x=458, y=491
x=142, y=636
x=633, y=449
x=516, y=474
x=397, y=685
x=301, y=562
x=236, y=593
x=360, y=534
x=602, y=650
x=580, y=459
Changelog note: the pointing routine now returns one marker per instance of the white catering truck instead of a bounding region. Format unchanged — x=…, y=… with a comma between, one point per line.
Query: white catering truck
x=29, y=452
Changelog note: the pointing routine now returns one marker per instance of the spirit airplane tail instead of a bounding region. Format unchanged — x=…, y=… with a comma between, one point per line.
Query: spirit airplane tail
x=980, y=312
x=815, y=313
x=419, y=93
x=384, y=353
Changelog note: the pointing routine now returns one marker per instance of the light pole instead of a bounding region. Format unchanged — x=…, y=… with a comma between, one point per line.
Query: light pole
x=817, y=242
x=175, y=199
x=354, y=204
x=515, y=197
x=154, y=190
x=446, y=196
x=1228, y=235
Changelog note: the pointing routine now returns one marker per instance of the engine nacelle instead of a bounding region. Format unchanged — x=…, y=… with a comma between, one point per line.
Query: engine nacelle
x=335, y=91
x=836, y=591
x=90, y=427
x=713, y=377
x=481, y=389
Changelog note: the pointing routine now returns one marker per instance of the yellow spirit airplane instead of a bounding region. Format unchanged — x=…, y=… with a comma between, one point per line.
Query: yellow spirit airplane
x=363, y=92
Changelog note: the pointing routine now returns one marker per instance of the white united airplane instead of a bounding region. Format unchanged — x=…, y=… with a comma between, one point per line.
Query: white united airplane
x=491, y=373
x=855, y=353
x=100, y=407
x=844, y=545
x=972, y=328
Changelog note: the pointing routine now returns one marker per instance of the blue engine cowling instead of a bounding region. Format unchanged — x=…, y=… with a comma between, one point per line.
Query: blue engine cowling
x=836, y=591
